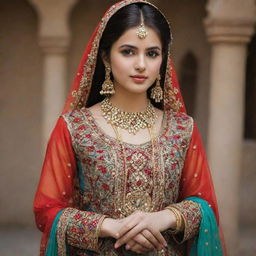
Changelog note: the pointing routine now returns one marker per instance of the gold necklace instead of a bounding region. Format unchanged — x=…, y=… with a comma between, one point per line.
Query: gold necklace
x=130, y=121
x=127, y=206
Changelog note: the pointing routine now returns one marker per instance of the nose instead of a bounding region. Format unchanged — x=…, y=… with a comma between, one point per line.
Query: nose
x=140, y=64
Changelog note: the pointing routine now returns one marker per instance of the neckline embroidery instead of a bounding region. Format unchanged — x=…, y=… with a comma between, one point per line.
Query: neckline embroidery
x=164, y=128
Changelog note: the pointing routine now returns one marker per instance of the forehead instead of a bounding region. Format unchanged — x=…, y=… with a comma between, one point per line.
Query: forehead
x=130, y=37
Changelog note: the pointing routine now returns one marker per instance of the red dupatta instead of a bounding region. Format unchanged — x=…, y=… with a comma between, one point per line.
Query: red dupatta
x=55, y=188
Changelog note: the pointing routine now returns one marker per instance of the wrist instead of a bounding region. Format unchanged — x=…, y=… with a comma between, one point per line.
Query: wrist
x=168, y=220
x=179, y=222
x=105, y=227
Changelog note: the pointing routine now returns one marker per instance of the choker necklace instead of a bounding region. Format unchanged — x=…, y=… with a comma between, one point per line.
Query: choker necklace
x=130, y=121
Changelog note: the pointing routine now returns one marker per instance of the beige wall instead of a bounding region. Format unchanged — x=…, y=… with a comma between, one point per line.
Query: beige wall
x=20, y=111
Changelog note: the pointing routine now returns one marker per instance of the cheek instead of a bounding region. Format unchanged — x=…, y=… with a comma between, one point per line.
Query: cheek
x=119, y=65
x=155, y=67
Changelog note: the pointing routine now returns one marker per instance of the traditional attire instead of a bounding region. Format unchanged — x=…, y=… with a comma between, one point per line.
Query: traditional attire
x=83, y=178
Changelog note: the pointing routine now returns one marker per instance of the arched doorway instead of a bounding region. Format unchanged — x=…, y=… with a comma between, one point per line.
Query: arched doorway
x=250, y=95
x=188, y=80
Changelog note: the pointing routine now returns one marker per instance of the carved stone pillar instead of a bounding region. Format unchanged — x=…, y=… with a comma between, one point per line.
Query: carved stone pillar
x=54, y=38
x=229, y=27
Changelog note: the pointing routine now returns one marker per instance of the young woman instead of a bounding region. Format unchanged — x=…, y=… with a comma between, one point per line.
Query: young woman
x=125, y=172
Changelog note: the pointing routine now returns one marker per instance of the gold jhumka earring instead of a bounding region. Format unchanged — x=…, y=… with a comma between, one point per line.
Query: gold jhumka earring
x=157, y=91
x=107, y=86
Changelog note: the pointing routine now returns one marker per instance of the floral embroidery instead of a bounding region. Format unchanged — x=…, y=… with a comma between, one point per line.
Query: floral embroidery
x=192, y=217
x=100, y=160
x=62, y=228
x=79, y=229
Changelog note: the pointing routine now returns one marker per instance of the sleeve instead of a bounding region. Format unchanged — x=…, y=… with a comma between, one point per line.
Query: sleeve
x=55, y=193
x=195, y=181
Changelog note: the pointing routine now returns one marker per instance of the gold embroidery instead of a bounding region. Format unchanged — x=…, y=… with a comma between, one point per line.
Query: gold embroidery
x=62, y=228
x=154, y=185
x=191, y=215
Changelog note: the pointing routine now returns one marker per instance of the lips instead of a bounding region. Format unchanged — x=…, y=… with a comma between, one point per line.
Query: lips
x=139, y=78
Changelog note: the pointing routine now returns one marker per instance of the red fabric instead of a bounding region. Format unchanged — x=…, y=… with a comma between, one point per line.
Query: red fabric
x=196, y=178
x=55, y=188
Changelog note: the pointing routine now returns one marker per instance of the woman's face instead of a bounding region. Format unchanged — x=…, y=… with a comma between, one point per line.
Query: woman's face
x=136, y=62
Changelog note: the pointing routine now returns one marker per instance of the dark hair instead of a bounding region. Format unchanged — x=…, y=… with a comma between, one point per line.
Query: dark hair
x=130, y=16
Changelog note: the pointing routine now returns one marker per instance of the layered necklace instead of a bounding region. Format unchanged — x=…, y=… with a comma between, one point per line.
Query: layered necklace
x=133, y=122
x=130, y=121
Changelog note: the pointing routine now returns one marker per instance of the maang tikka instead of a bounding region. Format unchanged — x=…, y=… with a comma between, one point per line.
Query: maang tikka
x=157, y=91
x=141, y=31
x=107, y=86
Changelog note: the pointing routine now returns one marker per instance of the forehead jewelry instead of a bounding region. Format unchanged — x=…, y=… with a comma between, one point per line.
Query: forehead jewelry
x=141, y=31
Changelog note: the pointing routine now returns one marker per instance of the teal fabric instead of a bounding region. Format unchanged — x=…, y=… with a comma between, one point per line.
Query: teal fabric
x=52, y=248
x=207, y=242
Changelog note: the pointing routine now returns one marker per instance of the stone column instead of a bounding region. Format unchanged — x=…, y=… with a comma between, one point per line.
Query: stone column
x=229, y=26
x=54, y=38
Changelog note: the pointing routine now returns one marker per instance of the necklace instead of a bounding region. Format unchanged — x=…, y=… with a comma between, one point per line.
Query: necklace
x=135, y=200
x=130, y=121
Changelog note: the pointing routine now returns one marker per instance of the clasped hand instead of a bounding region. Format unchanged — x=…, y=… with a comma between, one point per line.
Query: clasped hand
x=140, y=232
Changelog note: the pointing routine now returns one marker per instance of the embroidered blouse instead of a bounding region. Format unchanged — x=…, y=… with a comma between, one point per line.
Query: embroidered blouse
x=153, y=182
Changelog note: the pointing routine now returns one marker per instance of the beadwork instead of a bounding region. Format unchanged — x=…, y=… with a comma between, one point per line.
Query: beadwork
x=130, y=121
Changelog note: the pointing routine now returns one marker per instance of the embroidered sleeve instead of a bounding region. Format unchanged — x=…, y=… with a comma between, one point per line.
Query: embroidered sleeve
x=191, y=215
x=78, y=228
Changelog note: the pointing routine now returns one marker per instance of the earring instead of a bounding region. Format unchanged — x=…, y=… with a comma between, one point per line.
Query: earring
x=157, y=92
x=107, y=86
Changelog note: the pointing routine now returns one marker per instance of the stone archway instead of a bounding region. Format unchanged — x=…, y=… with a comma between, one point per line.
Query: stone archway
x=250, y=102
x=188, y=80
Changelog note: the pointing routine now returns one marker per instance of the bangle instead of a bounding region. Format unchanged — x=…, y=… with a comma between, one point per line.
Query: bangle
x=179, y=219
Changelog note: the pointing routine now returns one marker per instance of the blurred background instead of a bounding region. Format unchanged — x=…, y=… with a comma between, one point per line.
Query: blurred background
x=214, y=51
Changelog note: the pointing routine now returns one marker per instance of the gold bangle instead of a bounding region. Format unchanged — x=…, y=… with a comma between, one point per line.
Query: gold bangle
x=178, y=217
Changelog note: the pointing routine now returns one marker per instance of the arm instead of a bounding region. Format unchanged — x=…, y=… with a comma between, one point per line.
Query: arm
x=55, y=193
x=195, y=181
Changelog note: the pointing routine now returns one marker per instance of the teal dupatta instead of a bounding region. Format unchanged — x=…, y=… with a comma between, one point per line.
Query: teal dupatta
x=52, y=248
x=206, y=243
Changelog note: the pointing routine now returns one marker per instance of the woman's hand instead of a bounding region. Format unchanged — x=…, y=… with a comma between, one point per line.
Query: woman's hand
x=110, y=227
x=141, y=244
x=137, y=222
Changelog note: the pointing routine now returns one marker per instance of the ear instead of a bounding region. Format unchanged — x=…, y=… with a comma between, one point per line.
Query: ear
x=105, y=59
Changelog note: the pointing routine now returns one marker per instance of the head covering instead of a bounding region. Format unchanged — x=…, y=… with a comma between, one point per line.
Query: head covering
x=82, y=83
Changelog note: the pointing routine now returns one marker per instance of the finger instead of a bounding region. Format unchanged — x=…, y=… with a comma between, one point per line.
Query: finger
x=140, y=239
x=148, y=235
x=139, y=249
x=129, y=235
x=130, y=222
x=158, y=236
x=130, y=244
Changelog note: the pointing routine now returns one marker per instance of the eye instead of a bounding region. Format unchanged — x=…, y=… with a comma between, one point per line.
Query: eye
x=153, y=54
x=127, y=52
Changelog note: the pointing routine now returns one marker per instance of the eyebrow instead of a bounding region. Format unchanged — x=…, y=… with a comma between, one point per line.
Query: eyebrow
x=134, y=47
